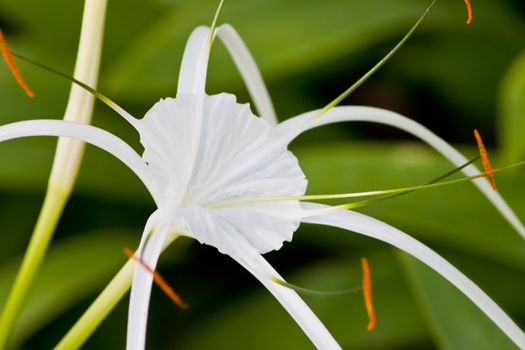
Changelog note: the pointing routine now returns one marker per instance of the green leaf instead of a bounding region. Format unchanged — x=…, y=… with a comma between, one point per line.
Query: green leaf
x=512, y=111
x=454, y=321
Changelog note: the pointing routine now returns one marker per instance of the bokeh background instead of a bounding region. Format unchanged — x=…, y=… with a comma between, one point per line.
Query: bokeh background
x=451, y=77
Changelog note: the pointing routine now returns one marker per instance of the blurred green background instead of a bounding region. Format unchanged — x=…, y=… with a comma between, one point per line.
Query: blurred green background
x=451, y=77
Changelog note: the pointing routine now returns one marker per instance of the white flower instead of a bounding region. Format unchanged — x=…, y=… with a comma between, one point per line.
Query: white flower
x=205, y=155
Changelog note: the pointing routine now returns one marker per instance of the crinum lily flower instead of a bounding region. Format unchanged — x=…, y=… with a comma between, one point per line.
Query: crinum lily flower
x=210, y=165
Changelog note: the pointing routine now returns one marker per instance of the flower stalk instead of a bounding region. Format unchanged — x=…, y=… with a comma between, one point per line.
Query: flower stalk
x=66, y=163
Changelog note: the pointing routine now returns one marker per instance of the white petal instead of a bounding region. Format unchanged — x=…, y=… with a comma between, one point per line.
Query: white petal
x=291, y=128
x=296, y=307
x=250, y=73
x=170, y=133
x=262, y=228
x=149, y=251
x=87, y=133
x=244, y=254
x=192, y=75
x=371, y=227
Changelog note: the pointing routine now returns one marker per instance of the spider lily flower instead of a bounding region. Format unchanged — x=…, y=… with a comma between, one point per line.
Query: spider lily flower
x=204, y=155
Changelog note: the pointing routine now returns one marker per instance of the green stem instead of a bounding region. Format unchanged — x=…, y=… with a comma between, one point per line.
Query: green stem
x=102, y=306
x=375, y=68
x=98, y=311
x=65, y=166
x=50, y=214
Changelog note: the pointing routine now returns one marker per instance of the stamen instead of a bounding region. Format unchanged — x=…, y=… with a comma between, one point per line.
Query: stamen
x=104, y=99
x=159, y=281
x=313, y=292
x=381, y=195
x=8, y=58
x=367, y=293
x=375, y=68
x=437, y=182
x=214, y=22
x=485, y=159
x=469, y=11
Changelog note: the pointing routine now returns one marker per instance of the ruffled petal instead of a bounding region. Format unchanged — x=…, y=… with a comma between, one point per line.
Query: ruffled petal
x=170, y=133
x=192, y=75
x=293, y=127
x=260, y=226
x=204, y=151
x=250, y=73
x=208, y=149
x=87, y=133
x=371, y=227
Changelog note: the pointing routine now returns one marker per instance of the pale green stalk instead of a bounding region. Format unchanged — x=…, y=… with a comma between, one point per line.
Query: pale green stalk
x=392, y=191
x=102, y=306
x=98, y=311
x=66, y=164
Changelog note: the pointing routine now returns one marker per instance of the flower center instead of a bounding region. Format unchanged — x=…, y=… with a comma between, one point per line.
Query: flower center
x=205, y=150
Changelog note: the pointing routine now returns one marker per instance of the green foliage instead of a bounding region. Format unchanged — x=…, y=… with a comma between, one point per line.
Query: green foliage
x=454, y=322
x=447, y=77
x=512, y=111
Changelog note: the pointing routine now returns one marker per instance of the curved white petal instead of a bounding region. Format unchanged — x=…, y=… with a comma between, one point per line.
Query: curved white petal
x=151, y=245
x=250, y=73
x=293, y=304
x=192, y=75
x=87, y=133
x=291, y=128
x=371, y=227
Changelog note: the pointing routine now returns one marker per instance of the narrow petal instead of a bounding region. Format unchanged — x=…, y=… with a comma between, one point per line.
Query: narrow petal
x=290, y=300
x=192, y=75
x=152, y=242
x=87, y=133
x=371, y=227
x=293, y=127
x=250, y=73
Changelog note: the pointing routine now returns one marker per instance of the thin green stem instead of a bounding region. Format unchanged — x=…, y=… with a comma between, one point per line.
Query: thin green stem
x=375, y=68
x=54, y=203
x=214, y=22
x=103, y=98
x=316, y=293
x=66, y=163
x=99, y=310
x=388, y=192
x=102, y=306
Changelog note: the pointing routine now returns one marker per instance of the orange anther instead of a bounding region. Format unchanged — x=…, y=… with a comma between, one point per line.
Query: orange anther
x=489, y=172
x=159, y=281
x=8, y=58
x=469, y=11
x=367, y=294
